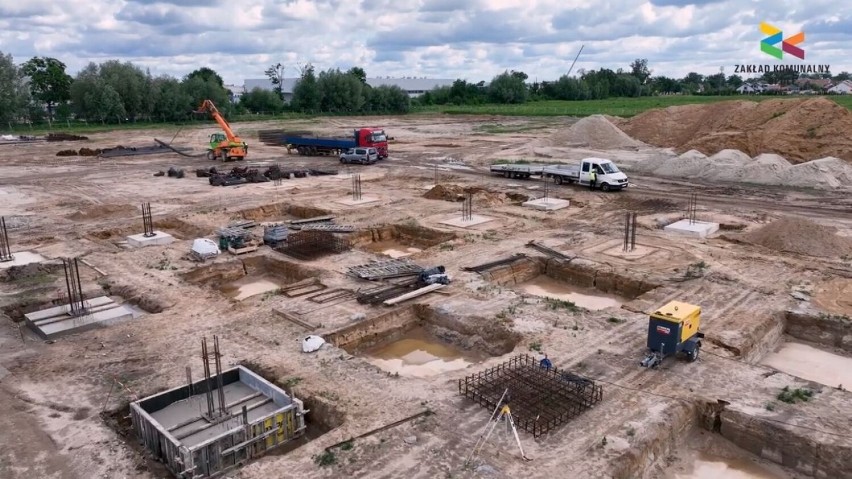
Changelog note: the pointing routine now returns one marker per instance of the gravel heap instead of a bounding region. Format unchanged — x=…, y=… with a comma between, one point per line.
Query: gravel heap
x=798, y=235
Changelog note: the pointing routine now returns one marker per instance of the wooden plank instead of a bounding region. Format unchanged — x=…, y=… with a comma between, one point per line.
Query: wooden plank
x=293, y=319
x=413, y=294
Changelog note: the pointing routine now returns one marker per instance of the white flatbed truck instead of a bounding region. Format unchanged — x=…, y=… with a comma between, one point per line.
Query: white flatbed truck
x=609, y=177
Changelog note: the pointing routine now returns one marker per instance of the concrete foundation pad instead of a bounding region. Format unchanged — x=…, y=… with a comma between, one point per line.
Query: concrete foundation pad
x=699, y=229
x=547, y=204
x=158, y=239
x=473, y=221
x=55, y=322
x=22, y=258
x=363, y=201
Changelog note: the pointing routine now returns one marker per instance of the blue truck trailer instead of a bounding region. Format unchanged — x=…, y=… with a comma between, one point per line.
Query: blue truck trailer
x=311, y=145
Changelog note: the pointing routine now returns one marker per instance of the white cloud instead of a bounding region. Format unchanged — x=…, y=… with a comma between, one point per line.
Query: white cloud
x=472, y=39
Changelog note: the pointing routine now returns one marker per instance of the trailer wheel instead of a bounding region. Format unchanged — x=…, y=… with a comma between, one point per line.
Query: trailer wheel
x=558, y=180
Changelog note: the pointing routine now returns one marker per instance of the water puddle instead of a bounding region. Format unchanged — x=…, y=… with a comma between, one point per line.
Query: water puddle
x=546, y=286
x=706, y=466
x=419, y=354
x=813, y=364
x=248, y=286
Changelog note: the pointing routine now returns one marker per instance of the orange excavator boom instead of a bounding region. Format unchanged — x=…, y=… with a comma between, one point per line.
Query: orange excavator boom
x=208, y=106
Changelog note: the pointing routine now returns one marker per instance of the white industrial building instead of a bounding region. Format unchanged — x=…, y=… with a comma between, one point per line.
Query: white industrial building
x=842, y=88
x=413, y=86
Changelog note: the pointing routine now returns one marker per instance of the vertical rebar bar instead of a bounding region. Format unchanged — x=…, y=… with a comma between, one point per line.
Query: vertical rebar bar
x=5, y=247
x=626, y=230
x=147, y=220
x=219, y=380
x=209, y=393
x=467, y=207
x=189, y=379
x=356, y=187
x=633, y=234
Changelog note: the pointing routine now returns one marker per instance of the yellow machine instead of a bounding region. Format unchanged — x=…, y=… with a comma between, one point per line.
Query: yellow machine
x=673, y=329
x=227, y=145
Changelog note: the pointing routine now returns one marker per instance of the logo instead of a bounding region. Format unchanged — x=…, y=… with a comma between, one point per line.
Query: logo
x=788, y=45
x=664, y=330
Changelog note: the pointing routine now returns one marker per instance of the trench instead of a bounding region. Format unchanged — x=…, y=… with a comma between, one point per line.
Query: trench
x=249, y=277
x=178, y=228
x=422, y=341
x=279, y=211
x=399, y=240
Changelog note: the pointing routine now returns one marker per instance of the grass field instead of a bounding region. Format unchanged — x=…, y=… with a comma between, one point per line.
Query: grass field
x=613, y=106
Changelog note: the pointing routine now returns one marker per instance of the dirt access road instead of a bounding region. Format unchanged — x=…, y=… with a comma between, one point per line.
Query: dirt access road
x=71, y=395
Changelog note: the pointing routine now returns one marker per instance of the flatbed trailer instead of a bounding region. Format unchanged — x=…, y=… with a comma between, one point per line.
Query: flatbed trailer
x=519, y=171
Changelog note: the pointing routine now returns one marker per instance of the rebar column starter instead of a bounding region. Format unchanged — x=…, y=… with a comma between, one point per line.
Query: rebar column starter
x=629, y=231
x=219, y=385
x=147, y=221
x=5, y=248
x=541, y=399
x=77, y=306
x=692, y=208
x=312, y=244
x=209, y=387
x=467, y=207
x=356, y=187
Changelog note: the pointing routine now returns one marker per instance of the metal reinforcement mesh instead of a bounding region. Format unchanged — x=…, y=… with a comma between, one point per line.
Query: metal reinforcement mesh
x=540, y=399
x=312, y=244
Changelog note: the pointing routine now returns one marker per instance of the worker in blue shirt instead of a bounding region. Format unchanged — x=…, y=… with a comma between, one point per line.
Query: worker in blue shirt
x=545, y=363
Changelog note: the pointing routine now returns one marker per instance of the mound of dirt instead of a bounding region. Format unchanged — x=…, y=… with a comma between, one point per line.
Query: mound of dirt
x=66, y=153
x=104, y=211
x=481, y=196
x=594, y=131
x=799, y=130
x=798, y=235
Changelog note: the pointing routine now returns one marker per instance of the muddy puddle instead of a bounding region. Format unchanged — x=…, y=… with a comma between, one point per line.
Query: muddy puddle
x=545, y=286
x=708, y=466
x=419, y=354
x=810, y=363
x=249, y=286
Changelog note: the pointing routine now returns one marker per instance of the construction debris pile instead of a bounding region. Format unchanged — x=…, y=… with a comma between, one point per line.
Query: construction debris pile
x=237, y=237
x=64, y=137
x=798, y=235
x=481, y=196
x=171, y=173
x=246, y=174
x=799, y=130
x=120, y=151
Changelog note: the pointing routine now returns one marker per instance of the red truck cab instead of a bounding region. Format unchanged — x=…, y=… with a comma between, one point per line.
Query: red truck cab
x=373, y=137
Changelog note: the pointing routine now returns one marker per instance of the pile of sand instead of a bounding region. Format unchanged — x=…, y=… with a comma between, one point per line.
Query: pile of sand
x=798, y=235
x=765, y=169
x=799, y=130
x=594, y=131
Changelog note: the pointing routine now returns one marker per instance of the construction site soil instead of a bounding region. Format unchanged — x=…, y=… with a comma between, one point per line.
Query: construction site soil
x=777, y=273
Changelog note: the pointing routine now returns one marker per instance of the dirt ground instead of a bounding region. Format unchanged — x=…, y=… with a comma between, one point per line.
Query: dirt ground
x=62, y=399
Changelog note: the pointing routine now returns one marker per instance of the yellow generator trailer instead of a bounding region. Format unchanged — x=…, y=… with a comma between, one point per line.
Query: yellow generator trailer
x=673, y=329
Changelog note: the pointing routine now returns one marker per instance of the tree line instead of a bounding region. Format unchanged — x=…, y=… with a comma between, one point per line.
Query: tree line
x=115, y=92
x=637, y=80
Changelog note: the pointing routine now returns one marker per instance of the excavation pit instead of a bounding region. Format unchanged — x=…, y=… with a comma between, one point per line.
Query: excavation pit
x=174, y=227
x=418, y=353
x=419, y=341
x=190, y=430
x=586, y=284
x=243, y=279
x=812, y=364
x=397, y=241
x=279, y=212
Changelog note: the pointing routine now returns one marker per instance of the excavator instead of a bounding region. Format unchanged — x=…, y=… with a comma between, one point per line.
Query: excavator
x=226, y=146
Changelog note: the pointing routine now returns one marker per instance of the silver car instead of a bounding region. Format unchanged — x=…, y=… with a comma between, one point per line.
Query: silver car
x=363, y=156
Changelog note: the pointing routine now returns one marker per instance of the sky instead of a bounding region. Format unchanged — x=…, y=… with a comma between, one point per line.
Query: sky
x=469, y=39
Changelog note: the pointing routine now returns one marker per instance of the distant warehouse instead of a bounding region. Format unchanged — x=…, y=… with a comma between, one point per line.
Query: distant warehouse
x=413, y=86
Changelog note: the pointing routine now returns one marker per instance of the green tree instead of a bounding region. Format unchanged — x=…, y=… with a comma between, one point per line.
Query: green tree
x=105, y=103
x=307, y=96
x=207, y=74
x=734, y=81
x=340, y=92
x=275, y=73
x=85, y=82
x=259, y=100
x=131, y=84
x=199, y=89
x=48, y=81
x=13, y=91
x=358, y=73
x=639, y=69
x=387, y=99
x=171, y=102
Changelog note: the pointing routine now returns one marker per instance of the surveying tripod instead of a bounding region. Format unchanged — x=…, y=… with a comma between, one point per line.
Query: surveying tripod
x=504, y=412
